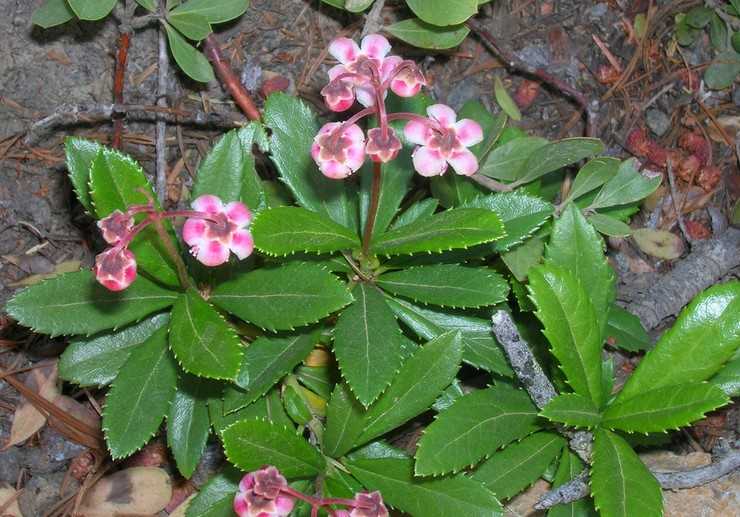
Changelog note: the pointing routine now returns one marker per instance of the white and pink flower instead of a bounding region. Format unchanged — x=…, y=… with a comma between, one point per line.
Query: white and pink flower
x=339, y=150
x=260, y=495
x=115, y=268
x=443, y=141
x=382, y=148
x=366, y=505
x=221, y=231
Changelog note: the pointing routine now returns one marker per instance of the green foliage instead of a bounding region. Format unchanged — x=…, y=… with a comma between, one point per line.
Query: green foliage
x=569, y=467
x=572, y=409
x=624, y=329
x=216, y=498
x=80, y=155
x=592, y=176
x=627, y=186
x=187, y=57
x=443, y=12
x=556, y=155
x=608, y=225
x=728, y=378
x=92, y=9
x=188, y=423
x=425, y=35
x=213, y=12
x=723, y=70
x=507, y=160
x=344, y=422
x=53, y=12
x=504, y=99
x=190, y=24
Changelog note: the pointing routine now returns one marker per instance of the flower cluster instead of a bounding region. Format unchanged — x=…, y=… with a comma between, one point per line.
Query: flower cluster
x=265, y=493
x=364, y=74
x=212, y=230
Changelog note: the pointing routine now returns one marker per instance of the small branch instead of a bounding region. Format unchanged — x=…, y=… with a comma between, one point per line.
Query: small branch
x=515, y=64
x=141, y=22
x=161, y=129
x=228, y=79
x=373, y=22
x=490, y=184
x=124, y=42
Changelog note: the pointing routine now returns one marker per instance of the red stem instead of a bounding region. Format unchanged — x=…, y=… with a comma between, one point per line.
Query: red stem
x=372, y=210
x=124, y=42
x=229, y=80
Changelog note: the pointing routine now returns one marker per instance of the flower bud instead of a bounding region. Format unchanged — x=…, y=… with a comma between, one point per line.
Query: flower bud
x=115, y=268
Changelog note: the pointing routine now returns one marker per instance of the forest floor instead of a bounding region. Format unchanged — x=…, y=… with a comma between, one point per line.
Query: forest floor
x=282, y=44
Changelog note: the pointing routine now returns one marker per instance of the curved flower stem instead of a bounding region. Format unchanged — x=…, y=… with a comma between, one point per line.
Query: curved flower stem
x=372, y=210
x=404, y=115
x=182, y=272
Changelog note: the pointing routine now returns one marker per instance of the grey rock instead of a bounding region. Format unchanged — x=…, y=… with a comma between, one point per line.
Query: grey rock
x=41, y=493
x=537, y=56
x=658, y=122
x=736, y=96
x=598, y=10
x=10, y=465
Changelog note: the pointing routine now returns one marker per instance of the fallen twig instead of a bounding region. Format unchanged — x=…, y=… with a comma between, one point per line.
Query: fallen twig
x=373, y=22
x=163, y=63
x=229, y=80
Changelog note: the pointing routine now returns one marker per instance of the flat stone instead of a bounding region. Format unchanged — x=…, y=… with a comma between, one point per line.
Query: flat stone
x=666, y=461
x=523, y=504
x=658, y=122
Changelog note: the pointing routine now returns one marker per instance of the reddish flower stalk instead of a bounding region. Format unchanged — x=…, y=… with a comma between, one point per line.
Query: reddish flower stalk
x=124, y=42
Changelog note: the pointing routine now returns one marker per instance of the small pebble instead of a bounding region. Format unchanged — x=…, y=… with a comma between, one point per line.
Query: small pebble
x=598, y=10
x=658, y=122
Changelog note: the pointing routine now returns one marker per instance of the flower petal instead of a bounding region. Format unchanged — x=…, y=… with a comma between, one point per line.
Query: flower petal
x=242, y=244
x=208, y=203
x=241, y=506
x=365, y=95
x=194, y=231
x=238, y=213
x=468, y=132
x=336, y=71
x=212, y=253
x=344, y=50
x=464, y=162
x=334, y=170
x=428, y=162
x=375, y=46
x=443, y=114
x=417, y=132
x=284, y=505
x=389, y=66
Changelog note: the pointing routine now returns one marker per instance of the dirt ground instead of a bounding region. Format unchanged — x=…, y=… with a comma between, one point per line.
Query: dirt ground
x=42, y=228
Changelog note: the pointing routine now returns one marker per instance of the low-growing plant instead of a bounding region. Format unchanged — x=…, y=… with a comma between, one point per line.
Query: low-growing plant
x=354, y=305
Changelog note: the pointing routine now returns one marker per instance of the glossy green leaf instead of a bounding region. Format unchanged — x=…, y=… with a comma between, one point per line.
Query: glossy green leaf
x=627, y=186
x=293, y=127
x=344, y=422
x=95, y=361
x=188, y=423
x=624, y=329
x=201, y=339
x=523, y=257
x=557, y=155
x=728, y=378
x=216, y=498
x=53, y=12
x=452, y=190
x=319, y=379
x=228, y=170
x=572, y=409
x=269, y=407
x=188, y=58
x=608, y=225
x=356, y=6
x=480, y=348
x=80, y=155
x=213, y=12
x=474, y=427
x=522, y=215
x=448, y=285
x=507, y=160
x=394, y=478
x=456, y=228
x=140, y=396
x=570, y=321
x=577, y=248
x=512, y=469
x=420, y=209
x=569, y=467
x=620, y=483
x=251, y=444
x=367, y=343
x=443, y=12
x=664, y=408
x=415, y=386
x=704, y=337
x=593, y=175
x=191, y=25
x=266, y=361
x=504, y=99
x=288, y=229
x=284, y=297
x=116, y=183
x=75, y=303
x=425, y=35
x=92, y=9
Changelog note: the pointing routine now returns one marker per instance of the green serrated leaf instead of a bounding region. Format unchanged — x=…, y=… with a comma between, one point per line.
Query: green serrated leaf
x=191, y=25
x=203, y=343
x=576, y=247
x=627, y=186
x=507, y=160
x=266, y=361
x=664, y=408
x=288, y=229
x=96, y=361
x=268, y=407
x=504, y=99
x=293, y=127
x=415, y=387
x=319, y=379
x=512, y=469
x=570, y=321
x=395, y=479
x=424, y=208
x=284, y=297
x=728, y=378
x=443, y=12
x=572, y=409
x=623, y=329
x=75, y=303
x=116, y=183
x=594, y=174
x=473, y=428
x=456, y=228
x=704, y=337
x=140, y=396
x=480, y=348
x=610, y=226
x=569, y=467
x=251, y=444
x=188, y=58
x=92, y=9
x=367, y=344
x=425, y=35
x=557, y=155
x=213, y=12
x=523, y=257
x=344, y=422
x=188, y=423
x=620, y=483
x=80, y=155
x=450, y=285
x=216, y=498
x=52, y=13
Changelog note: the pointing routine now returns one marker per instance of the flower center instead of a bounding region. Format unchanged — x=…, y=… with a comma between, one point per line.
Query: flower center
x=444, y=141
x=219, y=227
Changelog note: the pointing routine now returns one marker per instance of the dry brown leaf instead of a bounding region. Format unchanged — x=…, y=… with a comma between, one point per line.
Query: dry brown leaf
x=731, y=125
x=658, y=243
x=27, y=419
x=138, y=490
x=68, y=266
x=13, y=510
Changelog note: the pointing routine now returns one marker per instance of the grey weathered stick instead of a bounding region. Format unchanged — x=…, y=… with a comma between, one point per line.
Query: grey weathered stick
x=373, y=23
x=161, y=130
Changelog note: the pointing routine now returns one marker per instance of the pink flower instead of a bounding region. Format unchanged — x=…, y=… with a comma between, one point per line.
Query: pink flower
x=260, y=495
x=444, y=140
x=382, y=149
x=405, y=77
x=369, y=505
x=222, y=230
x=116, y=226
x=339, y=153
x=115, y=268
